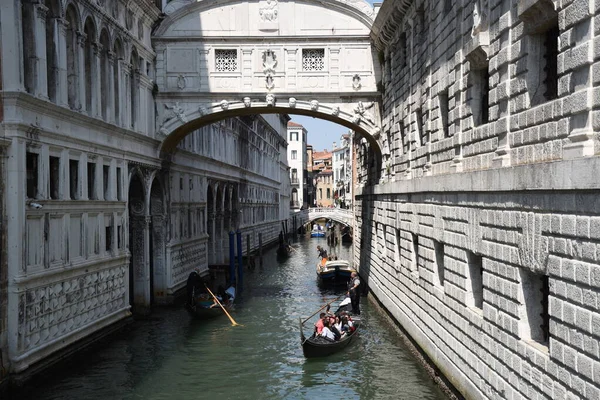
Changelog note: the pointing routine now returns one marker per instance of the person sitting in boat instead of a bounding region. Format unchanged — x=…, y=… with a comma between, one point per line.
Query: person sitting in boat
x=319, y=324
x=327, y=333
x=347, y=326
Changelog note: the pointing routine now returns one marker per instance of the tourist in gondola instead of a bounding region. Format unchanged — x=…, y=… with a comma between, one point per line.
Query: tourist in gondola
x=353, y=292
x=327, y=333
x=319, y=324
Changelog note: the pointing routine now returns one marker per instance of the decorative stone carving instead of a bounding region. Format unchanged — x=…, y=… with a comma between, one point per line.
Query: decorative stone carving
x=247, y=102
x=361, y=113
x=480, y=23
x=270, y=100
x=335, y=111
x=314, y=105
x=269, y=11
x=269, y=82
x=181, y=83
x=177, y=112
x=224, y=105
x=292, y=102
x=356, y=85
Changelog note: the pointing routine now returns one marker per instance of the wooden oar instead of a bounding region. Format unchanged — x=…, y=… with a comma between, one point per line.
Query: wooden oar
x=323, y=307
x=233, y=323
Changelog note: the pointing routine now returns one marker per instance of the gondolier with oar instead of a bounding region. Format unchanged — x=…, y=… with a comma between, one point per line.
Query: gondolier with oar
x=354, y=293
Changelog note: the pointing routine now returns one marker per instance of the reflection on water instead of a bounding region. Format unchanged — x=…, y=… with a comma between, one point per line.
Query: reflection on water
x=173, y=356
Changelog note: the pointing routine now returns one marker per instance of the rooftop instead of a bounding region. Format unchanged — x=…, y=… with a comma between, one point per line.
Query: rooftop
x=292, y=124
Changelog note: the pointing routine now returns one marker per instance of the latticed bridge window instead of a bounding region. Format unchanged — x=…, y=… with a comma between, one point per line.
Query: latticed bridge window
x=313, y=59
x=226, y=60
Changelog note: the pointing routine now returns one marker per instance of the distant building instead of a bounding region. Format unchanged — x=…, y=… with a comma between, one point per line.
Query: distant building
x=321, y=160
x=296, y=154
x=342, y=171
x=324, y=188
x=310, y=187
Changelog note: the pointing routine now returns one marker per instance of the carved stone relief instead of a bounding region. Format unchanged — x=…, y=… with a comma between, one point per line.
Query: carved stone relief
x=269, y=11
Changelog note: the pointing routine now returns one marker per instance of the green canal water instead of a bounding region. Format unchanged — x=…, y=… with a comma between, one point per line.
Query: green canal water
x=173, y=356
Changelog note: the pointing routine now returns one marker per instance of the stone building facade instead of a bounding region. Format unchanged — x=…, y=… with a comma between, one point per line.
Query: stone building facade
x=482, y=236
x=95, y=223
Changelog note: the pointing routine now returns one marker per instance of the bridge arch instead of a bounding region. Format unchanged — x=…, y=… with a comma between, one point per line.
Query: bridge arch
x=232, y=58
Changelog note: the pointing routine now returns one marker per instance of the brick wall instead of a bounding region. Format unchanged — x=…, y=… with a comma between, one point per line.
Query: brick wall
x=483, y=237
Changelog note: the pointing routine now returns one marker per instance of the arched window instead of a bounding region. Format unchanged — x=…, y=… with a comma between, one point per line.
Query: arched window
x=51, y=56
x=72, y=65
x=88, y=56
x=118, y=50
x=104, y=73
x=134, y=89
x=29, y=59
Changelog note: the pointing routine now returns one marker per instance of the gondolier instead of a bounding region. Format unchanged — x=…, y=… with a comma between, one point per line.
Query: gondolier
x=354, y=292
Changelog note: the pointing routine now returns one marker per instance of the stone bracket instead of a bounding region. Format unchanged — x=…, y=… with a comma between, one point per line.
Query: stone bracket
x=538, y=15
x=476, y=50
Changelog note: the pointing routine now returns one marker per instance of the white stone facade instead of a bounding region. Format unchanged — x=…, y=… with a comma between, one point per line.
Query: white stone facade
x=297, y=160
x=482, y=237
x=95, y=222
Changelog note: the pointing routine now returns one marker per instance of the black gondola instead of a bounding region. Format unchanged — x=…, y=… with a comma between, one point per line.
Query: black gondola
x=284, y=251
x=201, y=304
x=313, y=347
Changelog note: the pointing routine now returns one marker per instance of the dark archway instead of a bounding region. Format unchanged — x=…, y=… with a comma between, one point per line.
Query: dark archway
x=157, y=241
x=210, y=223
x=137, y=224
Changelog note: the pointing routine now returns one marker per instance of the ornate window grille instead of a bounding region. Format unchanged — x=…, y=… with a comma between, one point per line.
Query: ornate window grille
x=226, y=60
x=313, y=59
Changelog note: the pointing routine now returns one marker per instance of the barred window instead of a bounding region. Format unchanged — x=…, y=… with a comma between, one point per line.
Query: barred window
x=313, y=59
x=226, y=60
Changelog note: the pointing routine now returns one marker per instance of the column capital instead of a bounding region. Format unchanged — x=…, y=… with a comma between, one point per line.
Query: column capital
x=62, y=25
x=111, y=57
x=81, y=38
x=42, y=11
x=97, y=47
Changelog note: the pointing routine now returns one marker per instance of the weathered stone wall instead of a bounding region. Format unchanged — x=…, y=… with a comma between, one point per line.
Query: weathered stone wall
x=483, y=238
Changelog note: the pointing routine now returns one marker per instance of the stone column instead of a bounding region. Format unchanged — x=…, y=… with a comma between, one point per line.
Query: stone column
x=126, y=98
x=111, y=88
x=39, y=67
x=211, y=229
x=61, y=26
x=81, y=38
x=96, y=110
x=119, y=93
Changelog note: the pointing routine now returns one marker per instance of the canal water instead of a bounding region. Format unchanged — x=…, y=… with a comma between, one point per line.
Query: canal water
x=173, y=356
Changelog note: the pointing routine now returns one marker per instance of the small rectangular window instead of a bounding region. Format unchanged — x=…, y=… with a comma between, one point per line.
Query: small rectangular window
x=105, y=181
x=226, y=60
x=294, y=154
x=119, y=183
x=480, y=104
x=313, y=59
x=475, y=271
x=54, y=177
x=74, y=179
x=443, y=104
x=119, y=237
x=415, y=252
x=91, y=180
x=535, y=320
x=439, y=263
x=32, y=162
x=108, y=237
x=421, y=127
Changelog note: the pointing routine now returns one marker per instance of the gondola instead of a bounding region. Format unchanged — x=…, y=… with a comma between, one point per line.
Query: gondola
x=336, y=271
x=314, y=347
x=284, y=251
x=201, y=304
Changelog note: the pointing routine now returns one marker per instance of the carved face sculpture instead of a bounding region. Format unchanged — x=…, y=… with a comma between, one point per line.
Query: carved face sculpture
x=270, y=100
x=292, y=102
x=247, y=101
x=314, y=105
x=225, y=105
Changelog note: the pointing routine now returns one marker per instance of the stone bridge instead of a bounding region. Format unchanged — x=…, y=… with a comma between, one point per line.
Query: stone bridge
x=340, y=215
x=216, y=60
